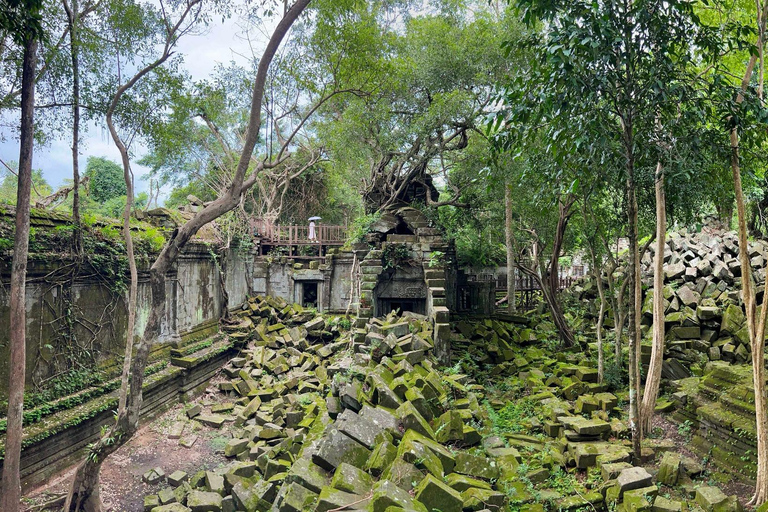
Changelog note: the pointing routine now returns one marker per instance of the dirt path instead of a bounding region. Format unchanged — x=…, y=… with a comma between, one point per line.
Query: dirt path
x=121, y=487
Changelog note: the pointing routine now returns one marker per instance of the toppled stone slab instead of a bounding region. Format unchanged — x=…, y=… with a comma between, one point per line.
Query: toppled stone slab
x=201, y=501
x=439, y=495
x=336, y=448
x=669, y=469
x=176, y=478
x=633, y=478
x=153, y=476
x=211, y=420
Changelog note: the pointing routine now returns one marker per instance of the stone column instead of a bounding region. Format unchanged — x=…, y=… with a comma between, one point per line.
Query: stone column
x=171, y=330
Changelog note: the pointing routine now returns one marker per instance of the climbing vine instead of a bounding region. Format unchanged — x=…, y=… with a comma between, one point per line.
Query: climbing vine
x=70, y=331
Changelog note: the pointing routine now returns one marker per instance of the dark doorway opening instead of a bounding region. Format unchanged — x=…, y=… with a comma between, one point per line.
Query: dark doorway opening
x=413, y=305
x=309, y=295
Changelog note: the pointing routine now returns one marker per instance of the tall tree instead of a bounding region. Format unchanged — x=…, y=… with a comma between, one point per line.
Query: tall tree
x=73, y=21
x=21, y=18
x=755, y=324
x=84, y=492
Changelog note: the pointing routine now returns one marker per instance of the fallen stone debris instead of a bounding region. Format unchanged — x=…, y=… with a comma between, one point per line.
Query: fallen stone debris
x=322, y=419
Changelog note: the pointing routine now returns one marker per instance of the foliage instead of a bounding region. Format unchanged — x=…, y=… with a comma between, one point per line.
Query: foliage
x=9, y=186
x=148, y=240
x=395, y=256
x=511, y=418
x=615, y=376
x=107, y=181
x=361, y=226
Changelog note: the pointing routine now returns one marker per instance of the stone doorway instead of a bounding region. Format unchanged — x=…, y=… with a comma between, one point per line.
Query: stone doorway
x=309, y=294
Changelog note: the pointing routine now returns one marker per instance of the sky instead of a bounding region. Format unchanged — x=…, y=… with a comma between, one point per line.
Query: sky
x=221, y=44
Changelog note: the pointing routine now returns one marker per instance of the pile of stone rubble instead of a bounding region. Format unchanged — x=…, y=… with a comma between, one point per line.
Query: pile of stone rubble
x=704, y=317
x=317, y=424
x=321, y=422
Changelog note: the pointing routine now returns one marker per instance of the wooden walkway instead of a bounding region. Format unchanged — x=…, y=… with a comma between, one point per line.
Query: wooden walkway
x=292, y=236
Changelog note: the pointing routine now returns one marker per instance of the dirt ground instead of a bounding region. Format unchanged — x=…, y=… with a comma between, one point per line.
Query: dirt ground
x=121, y=487
x=667, y=430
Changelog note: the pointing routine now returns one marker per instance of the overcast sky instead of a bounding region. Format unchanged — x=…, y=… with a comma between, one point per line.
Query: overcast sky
x=222, y=43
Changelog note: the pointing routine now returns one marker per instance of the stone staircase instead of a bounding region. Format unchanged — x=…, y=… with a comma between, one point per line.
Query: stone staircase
x=57, y=433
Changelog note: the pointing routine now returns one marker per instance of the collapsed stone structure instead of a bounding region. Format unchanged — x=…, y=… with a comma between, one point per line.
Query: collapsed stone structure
x=403, y=264
x=319, y=425
x=704, y=316
x=322, y=422
x=707, y=351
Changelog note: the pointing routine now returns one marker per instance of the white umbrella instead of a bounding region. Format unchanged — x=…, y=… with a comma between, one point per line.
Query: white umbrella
x=315, y=218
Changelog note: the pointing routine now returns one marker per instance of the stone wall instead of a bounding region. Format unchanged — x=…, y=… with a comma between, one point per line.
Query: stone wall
x=283, y=277
x=79, y=320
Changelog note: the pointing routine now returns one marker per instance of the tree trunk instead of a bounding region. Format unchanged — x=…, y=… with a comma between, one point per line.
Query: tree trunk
x=134, y=275
x=74, y=43
x=618, y=322
x=653, y=380
x=600, y=317
x=11, y=488
x=552, y=282
x=223, y=293
x=84, y=494
x=755, y=328
x=634, y=299
x=597, y=273
x=511, y=283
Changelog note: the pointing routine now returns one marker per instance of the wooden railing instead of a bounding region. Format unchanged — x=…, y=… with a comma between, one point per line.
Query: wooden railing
x=294, y=234
x=526, y=287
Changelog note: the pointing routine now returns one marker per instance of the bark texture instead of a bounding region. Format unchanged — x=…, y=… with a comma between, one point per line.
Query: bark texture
x=551, y=286
x=755, y=326
x=11, y=488
x=73, y=19
x=652, y=382
x=508, y=239
x=634, y=296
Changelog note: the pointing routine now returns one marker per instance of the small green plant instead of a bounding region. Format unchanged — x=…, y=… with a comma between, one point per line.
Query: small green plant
x=685, y=429
x=218, y=443
x=395, y=256
x=615, y=376
x=436, y=258
x=361, y=226
x=512, y=417
x=149, y=240
x=562, y=481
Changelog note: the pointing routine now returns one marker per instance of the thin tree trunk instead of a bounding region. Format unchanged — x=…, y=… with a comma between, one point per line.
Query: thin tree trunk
x=597, y=273
x=552, y=281
x=511, y=291
x=11, y=488
x=600, y=317
x=618, y=321
x=134, y=274
x=84, y=492
x=223, y=293
x=755, y=328
x=653, y=380
x=73, y=19
x=634, y=297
